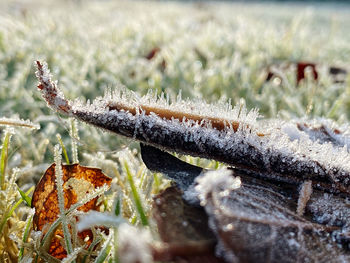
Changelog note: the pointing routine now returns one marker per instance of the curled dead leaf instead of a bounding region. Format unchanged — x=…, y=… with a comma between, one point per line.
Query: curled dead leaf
x=78, y=182
x=258, y=223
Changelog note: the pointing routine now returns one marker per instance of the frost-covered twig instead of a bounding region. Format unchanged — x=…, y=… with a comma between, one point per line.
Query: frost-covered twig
x=51, y=94
x=272, y=150
x=18, y=123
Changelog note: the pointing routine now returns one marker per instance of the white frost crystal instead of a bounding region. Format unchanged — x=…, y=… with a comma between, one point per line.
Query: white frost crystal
x=94, y=218
x=221, y=181
x=134, y=244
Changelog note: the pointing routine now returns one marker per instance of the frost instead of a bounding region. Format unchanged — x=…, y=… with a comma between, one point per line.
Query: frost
x=53, y=96
x=257, y=222
x=72, y=256
x=324, y=130
x=27, y=259
x=59, y=179
x=329, y=209
x=293, y=132
x=219, y=180
x=134, y=244
x=18, y=123
x=94, y=218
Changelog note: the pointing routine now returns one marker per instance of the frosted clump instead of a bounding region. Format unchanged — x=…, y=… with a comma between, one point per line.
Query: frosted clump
x=94, y=218
x=134, y=244
x=292, y=131
x=325, y=131
x=221, y=181
x=330, y=210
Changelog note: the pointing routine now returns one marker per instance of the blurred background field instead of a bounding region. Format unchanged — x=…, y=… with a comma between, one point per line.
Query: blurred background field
x=207, y=50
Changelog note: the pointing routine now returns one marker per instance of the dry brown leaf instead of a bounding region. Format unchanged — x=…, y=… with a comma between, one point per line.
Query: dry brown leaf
x=78, y=182
x=184, y=229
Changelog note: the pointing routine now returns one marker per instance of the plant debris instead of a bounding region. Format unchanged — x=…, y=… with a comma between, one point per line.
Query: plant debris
x=173, y=168
x=275, y=150
x=253, y=220
x=184, y=229
x=257, y=222
x=286, y=197
x=79, y=181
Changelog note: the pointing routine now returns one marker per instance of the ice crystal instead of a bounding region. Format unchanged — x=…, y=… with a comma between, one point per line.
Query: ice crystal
x=94, y=218
x=133, y=249
x=51, y=94
x=330, y=210
x=219, y=180
x=60, y=197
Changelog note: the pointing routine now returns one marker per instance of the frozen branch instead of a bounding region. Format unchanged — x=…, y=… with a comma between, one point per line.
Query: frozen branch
x=273, y=150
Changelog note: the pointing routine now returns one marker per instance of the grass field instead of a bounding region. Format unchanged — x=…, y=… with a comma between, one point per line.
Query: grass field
x=211, y=51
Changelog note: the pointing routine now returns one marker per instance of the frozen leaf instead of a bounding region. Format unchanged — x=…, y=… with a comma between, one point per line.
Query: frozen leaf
x=258, y=223
x=326, y=131
x=302, y=66
x=183, y=228
x=159, y=161
x=78, y=183
x=254, y=220
x=152, y=53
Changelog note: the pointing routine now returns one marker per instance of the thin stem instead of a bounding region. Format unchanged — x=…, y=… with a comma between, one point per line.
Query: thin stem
x=59, y=138
x=75, y=137
x=3, y=158
x=136, y=196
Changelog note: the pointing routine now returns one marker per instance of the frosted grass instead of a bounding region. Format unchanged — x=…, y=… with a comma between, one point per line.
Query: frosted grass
x=214, y=54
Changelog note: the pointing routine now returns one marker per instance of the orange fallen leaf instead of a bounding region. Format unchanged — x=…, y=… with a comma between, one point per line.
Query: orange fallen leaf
x=78, y=182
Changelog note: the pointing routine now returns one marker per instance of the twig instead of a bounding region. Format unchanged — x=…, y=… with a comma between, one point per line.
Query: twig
x=235, y=140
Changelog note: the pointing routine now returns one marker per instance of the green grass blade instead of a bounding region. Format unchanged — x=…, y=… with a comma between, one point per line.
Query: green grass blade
x=156, y=182
x=63, y=148
x=117, y=209
x=25, y=197
x=136, y=196
x=92, y=245
x=3, y=158
x=9, y=214
x=53, y=227
x=104, y=252
x=25, y=236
